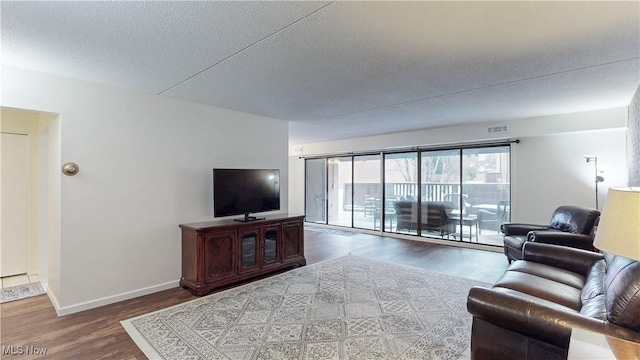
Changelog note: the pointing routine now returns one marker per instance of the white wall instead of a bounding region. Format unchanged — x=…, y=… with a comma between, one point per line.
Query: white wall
x=145, y=167
x=548, y=164
x=551, y=171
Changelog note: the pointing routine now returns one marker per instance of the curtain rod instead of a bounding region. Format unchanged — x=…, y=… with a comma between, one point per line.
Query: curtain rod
x=449, y=146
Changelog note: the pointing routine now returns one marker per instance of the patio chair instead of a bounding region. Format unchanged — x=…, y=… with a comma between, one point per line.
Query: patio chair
x=492, y=219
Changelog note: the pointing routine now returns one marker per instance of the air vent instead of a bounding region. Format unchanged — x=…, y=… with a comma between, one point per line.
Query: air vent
x=497, y=129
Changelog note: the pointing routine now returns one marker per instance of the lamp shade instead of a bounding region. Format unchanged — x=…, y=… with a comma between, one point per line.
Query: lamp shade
x=619, y=228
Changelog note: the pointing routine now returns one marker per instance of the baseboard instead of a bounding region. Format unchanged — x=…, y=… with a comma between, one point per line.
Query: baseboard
x=53, y=299
x=71, y=309
x=433, y=240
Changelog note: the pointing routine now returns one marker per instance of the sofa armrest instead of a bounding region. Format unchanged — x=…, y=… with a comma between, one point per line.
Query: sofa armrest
x=563, y=257
x=536, y=318
x=520, y=228
x=579, y=241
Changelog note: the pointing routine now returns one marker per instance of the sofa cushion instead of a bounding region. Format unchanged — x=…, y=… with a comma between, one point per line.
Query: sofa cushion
x=542, y=288
x=622, y=291
x=538, y=300
x=594, y=283
x=595, y=308
x=562, y=276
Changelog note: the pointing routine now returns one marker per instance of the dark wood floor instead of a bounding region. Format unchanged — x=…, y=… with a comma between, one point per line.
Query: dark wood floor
x=97, y=333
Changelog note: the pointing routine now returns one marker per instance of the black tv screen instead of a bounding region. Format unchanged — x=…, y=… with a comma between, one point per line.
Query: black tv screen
x=245, y=191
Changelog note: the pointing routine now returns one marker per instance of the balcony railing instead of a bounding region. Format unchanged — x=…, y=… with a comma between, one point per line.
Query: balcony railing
x=476, y=193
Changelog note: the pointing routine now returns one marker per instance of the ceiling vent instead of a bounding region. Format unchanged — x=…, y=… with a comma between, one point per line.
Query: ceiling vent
x=497, y=129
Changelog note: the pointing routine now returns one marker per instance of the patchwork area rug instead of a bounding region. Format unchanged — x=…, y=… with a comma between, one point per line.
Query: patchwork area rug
x=346, y=308
x=21, y=292
x=331, y=231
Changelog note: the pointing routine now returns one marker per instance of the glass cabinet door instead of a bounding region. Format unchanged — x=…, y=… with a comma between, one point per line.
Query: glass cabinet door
x=249, y=249
x=270, y=246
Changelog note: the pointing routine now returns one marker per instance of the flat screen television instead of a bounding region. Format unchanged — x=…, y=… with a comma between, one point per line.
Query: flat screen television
x=245, y=191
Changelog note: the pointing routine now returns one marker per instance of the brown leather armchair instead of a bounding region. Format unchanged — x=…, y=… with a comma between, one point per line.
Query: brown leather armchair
x=569, y=226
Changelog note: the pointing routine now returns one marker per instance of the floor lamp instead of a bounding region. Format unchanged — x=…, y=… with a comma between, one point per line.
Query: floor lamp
x=598, y=178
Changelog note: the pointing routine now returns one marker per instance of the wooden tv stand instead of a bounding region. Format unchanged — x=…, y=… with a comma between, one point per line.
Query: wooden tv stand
x=223, y=252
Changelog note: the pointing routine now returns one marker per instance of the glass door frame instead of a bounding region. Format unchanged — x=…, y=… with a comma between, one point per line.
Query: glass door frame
x=383, y=185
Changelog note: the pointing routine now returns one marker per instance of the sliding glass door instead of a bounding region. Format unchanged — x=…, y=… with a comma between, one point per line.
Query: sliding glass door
x=440, y=180
x=487, y=184
x=442, y=201
x=367, y=203
x=459, y=194
x=401, y=192
x=339, y=191
x=315, y=190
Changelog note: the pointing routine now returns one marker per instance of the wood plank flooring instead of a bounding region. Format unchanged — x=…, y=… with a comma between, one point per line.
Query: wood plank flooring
x=97, y=333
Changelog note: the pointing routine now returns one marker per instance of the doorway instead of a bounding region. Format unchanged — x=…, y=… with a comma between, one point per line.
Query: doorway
x=25, y=184
x=14, y=238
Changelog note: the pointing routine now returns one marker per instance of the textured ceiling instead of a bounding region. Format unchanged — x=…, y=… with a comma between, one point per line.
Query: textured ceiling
x=343, y=69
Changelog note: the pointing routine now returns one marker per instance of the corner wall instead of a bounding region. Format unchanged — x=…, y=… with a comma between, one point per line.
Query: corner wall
x=633, y=140
x=145, y=166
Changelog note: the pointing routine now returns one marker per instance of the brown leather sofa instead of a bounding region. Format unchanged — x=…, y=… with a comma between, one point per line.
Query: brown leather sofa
x=530, y=312
x=569, y=226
